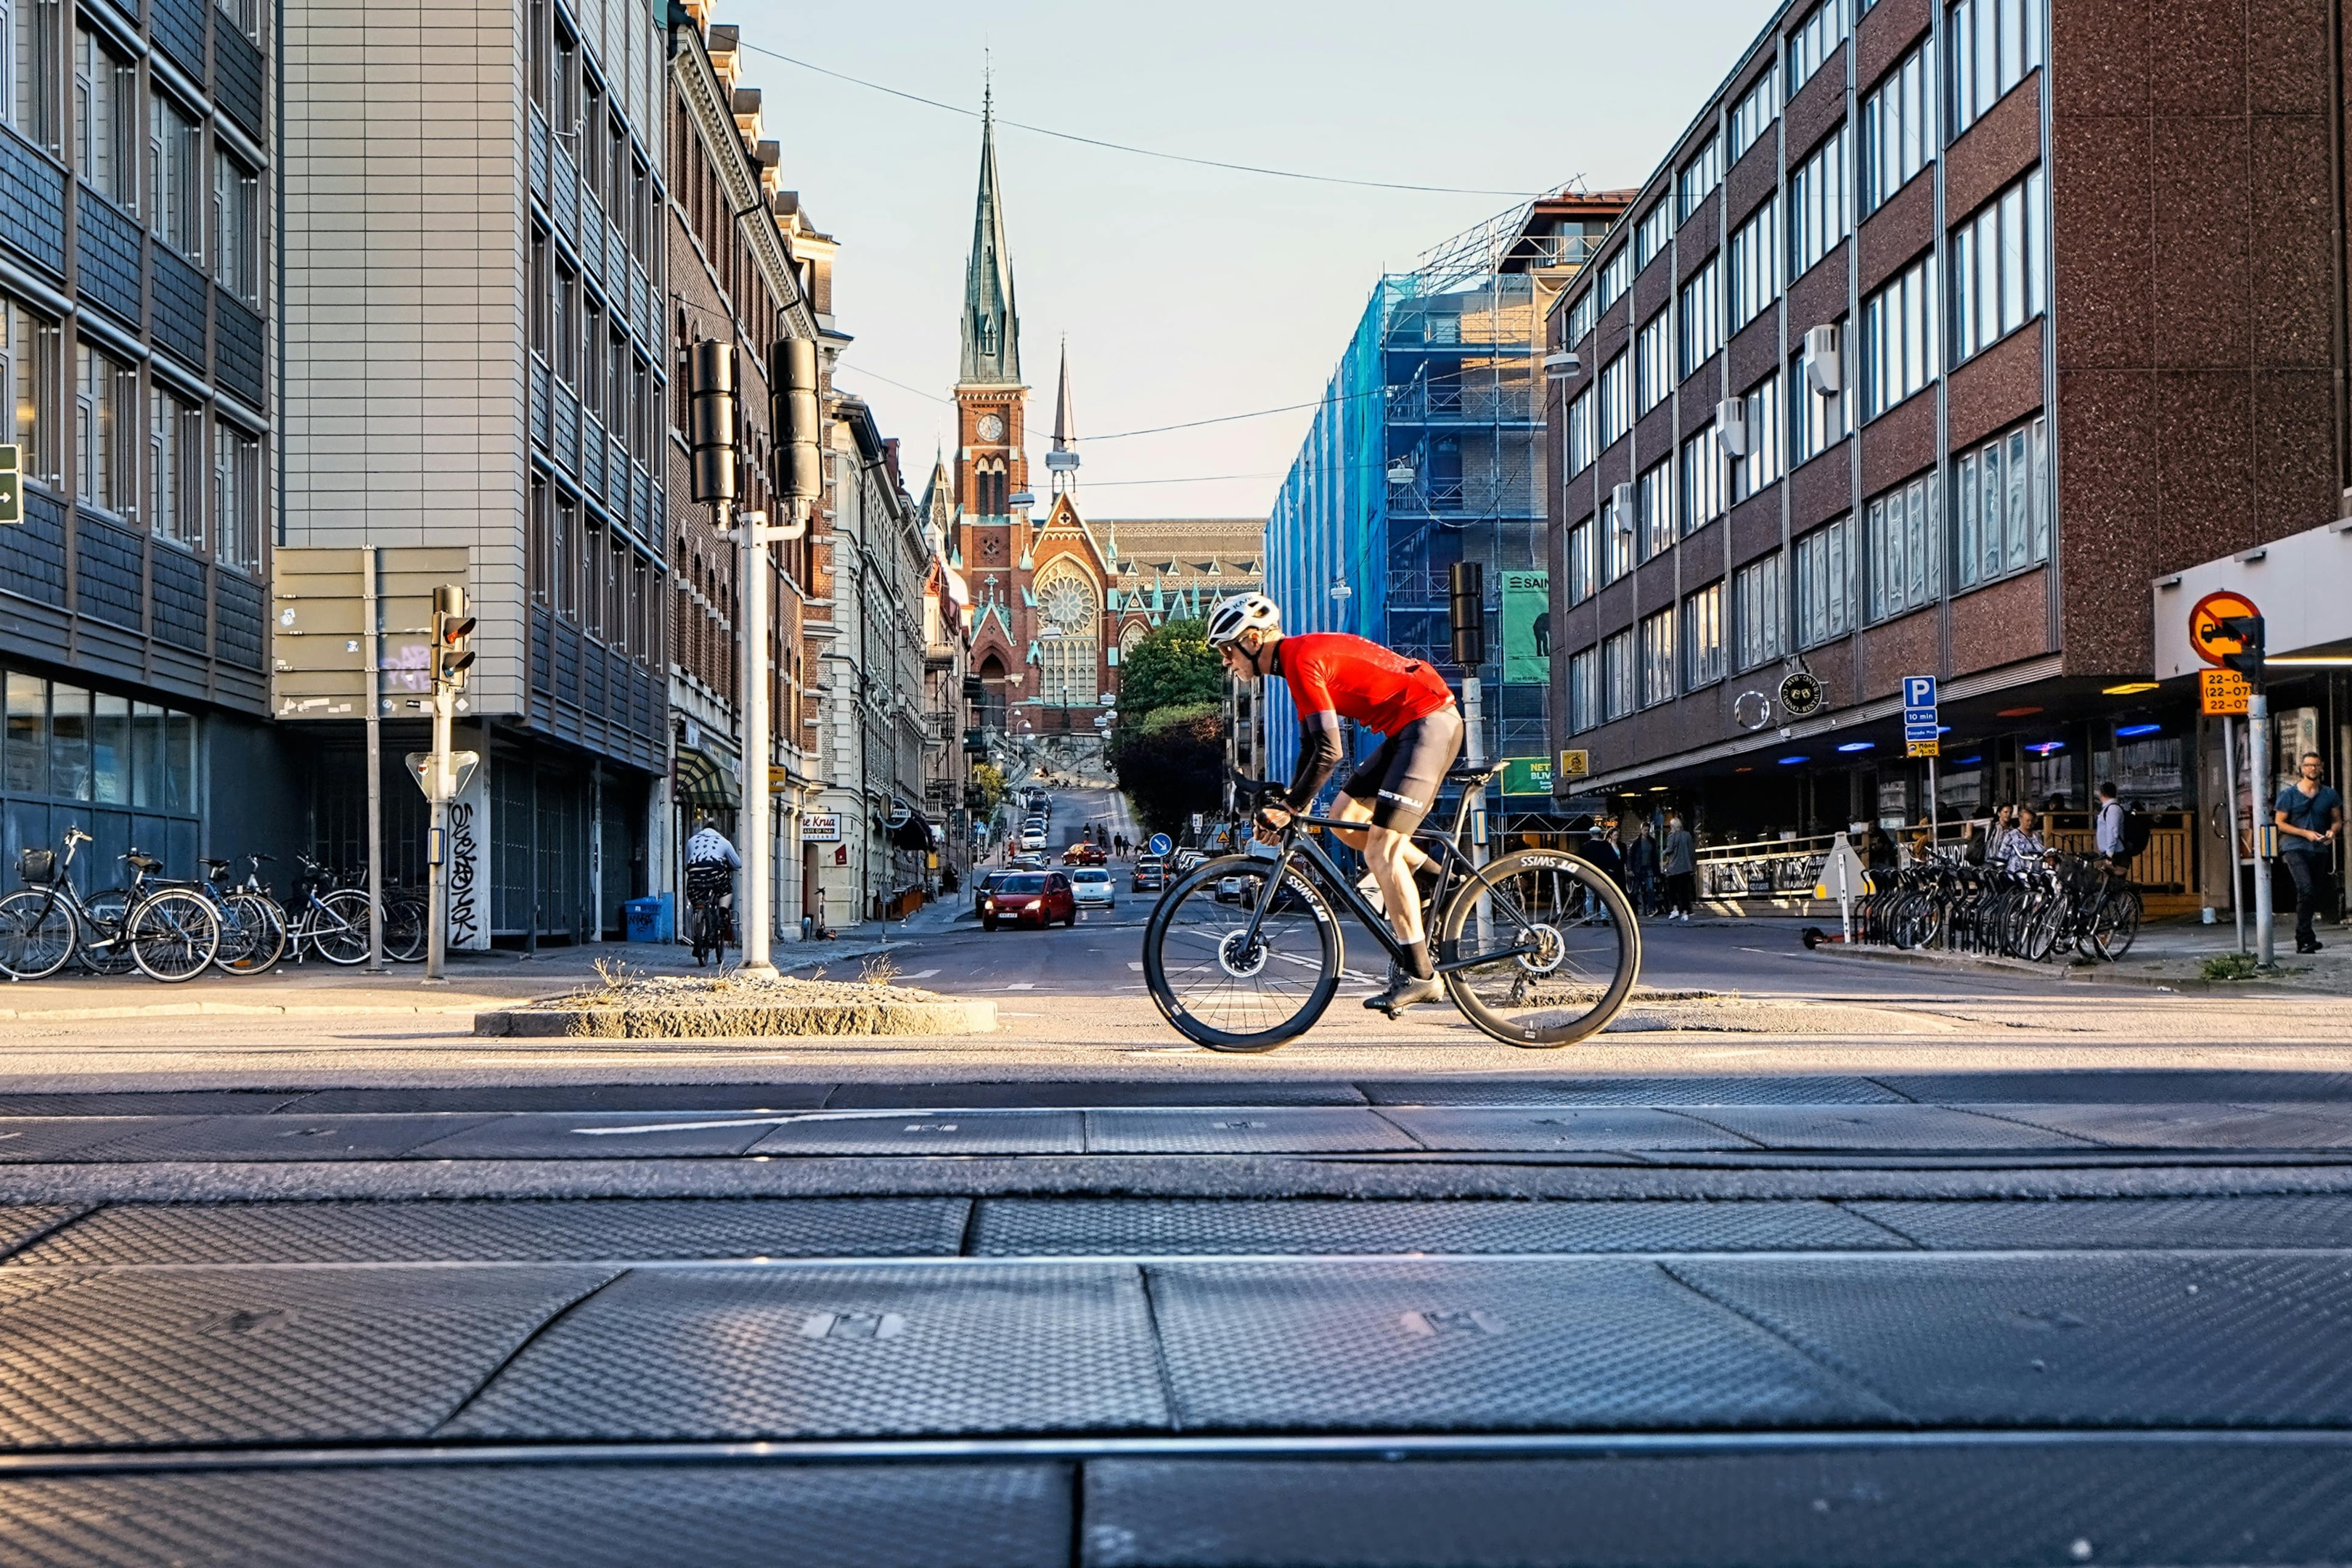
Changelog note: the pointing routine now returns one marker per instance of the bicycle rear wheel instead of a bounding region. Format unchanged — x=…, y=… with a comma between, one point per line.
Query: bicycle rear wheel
x=174, y=935
x=1221, y=986
x=36, y=934
x=261, y=927
x=404, y=928
x=338, y=929
x=1559, y=952
x=2116, y=925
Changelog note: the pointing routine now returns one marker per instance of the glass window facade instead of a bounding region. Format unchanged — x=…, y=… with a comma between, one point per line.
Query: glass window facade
x=1757, y=611
x=2002, y=504
x=1898, y=127
x=2001, y=277
x=1658, y=658
x=1703, y=637
x=1905, y=548
x=1899, y=331
x=1995, y=44
x=1821, y=206
x=1699, y=312
x=1823, y=580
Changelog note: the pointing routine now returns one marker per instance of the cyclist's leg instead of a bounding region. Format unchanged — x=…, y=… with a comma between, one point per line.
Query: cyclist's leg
x=1425, y=750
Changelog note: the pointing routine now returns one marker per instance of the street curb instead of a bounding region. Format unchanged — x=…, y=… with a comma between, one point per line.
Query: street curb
x=957, y=1017
x=2068, y=974
x=229, y=1010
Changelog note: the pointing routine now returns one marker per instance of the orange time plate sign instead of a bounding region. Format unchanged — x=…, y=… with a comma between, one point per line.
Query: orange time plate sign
x=2224, y=692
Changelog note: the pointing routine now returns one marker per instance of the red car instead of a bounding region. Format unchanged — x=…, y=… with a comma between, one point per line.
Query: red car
x=1044, y=897
x=1082, y=854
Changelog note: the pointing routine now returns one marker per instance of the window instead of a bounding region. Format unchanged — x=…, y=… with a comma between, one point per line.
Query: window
x=28, y=366
x=1617, y=544
x=1755, y=110
x=2000, y=277
x=245, y=16
x=106, y=121
x=591, y=360
x=237, y=228
x=176, y=449
x=1696, y=180
x=1616, y=275
x=1813, y=41
x=2004, y=504
x=1767, y=456
x=1616, y=400
x=1896, y=140
x=1657, y=658
x=1581, y=315
x=1817, y=423
x=1824, y=583
x=1701, y=477
x=539, y=283
x=237, y=496
x=1821, y=206
x=107, y=406
x=1898, y=339
x=1582, y=568
x=29, y=35
x=1994, y=44
x=1755, y=610
x=175, y=156
x=1617, y=675
x=567, y=323
x=1905, y=548
x=1579, y=433
x=1754, y=259
x=1584, y=690
x=1700, y=314
x=1703, y=637
x=1650, y=239
x=1653, y=361
x=1653, y=510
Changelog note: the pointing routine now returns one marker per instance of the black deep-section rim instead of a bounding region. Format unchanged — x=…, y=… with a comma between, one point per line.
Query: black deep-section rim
x=1155, y=972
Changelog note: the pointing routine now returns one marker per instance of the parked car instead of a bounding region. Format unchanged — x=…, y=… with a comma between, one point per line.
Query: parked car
x=1023, y=897
x=983, y=885
x=1151, y=875
x=1082, y=854
x=1188, y=858
x=1092, y=885
x=1025, y=863
x=1033, y=840
x=1229, y=889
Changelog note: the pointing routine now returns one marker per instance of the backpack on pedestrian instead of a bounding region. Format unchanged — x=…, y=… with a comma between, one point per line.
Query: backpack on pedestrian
x=2140, y=826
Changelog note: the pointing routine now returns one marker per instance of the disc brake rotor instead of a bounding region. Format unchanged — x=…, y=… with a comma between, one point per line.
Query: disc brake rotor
x=1551, y=949
x=1241, y=957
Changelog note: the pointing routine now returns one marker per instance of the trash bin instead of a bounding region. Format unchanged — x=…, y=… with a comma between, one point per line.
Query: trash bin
x=647, y=919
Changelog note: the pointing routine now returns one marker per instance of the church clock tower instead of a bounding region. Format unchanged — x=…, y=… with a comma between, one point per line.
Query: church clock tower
x=991, y=466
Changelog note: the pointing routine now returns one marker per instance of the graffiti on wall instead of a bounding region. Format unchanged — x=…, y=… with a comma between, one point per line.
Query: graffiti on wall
x=464, y=906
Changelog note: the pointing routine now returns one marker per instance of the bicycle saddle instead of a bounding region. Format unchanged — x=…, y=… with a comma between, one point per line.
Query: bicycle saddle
x=143, y=861
x=211, y=865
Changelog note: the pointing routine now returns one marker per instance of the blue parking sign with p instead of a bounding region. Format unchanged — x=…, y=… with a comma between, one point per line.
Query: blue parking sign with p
x=1918, y=691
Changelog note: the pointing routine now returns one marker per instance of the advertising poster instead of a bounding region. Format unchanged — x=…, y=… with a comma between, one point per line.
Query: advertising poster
x=1526, y=627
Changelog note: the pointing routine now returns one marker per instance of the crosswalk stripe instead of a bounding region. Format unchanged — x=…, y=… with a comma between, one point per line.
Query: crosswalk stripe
x=1023, y=986
x=1136, y=964
x=919, y=974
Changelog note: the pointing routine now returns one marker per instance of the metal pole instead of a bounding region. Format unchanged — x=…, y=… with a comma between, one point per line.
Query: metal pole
x=1935, y=819
x=1474, y=720
x=374, y=763
x=437, y=862
x=2258, y=784
x=758, y=868
x=2229, y=824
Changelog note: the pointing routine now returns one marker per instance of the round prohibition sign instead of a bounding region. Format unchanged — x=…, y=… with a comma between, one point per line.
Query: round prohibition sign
x=2212, y=639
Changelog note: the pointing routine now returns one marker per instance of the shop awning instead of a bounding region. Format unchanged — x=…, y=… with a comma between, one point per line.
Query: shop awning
x=910, y=829
x=703, y=782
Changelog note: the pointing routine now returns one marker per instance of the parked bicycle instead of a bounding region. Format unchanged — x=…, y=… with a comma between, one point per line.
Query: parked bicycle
x=169, y=931
x=1537, y=948
x=2073, y=904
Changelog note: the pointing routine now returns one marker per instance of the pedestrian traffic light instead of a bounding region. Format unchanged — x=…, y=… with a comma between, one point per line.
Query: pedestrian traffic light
x=453, y=629
x=792, y=382
x=1467, y=584
x=2248, y=660
x=710, y=419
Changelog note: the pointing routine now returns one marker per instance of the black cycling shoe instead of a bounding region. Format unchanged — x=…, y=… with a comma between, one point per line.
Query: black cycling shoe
x=1405, y=991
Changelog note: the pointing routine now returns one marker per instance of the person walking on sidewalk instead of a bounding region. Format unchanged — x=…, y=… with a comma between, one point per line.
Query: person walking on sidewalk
x=1678, y=863
x=2310, y=817
x=1640, y=855
x=2107, y=833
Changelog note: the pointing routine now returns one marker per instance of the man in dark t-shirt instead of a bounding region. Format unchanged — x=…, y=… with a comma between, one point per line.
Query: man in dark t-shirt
x=2310, y=819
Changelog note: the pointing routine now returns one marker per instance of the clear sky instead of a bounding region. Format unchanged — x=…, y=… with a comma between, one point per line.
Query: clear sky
x=1187, y=292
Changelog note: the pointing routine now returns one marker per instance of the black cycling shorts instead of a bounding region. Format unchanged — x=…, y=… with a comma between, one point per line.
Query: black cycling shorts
x=1400, y=779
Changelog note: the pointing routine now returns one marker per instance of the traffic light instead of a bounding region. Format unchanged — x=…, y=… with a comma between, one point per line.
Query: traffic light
x=975, y=690
x=2248, y=660
x=453, y=629
x=792, y=386
x=1468, y=593
x=710, y=419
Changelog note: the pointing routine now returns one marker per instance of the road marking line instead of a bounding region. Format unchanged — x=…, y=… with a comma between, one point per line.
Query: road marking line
x=1023, y=986
x=919, y=974
x=1136, y=964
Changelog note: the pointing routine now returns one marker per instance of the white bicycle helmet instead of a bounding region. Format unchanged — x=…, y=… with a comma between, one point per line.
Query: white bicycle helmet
x=1234, y=617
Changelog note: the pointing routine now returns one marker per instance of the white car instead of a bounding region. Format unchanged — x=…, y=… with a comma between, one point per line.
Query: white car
x=1229, y=889
x=1033, y=840
x=1093, y=885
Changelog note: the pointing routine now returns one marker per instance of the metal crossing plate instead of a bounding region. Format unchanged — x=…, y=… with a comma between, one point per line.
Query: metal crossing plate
x=837, y=1353
x=1692, y=1091
x=270, y=1138
x=744, y=1098
x=21, y=1223
x=2190, y=1126
x=2253, y=1223
x=600, y=1135
x=532, y=1515
x=1045, y=1226
x=29, y=1140
x=2244, y=1339
x=1939, y=1506
x=250, y=1355
x=932, y=1132
x=519, y=1230
x=1862, y=1129
x=1457, y=1344
x=1564, y=1129
x=1258, y=1130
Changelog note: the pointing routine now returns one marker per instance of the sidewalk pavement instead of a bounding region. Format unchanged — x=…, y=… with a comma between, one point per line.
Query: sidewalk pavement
x=2170, y=954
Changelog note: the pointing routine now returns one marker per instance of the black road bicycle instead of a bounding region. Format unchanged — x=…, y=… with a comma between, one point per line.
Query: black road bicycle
x=1537, y=948
x=170, y=932
x=710, y=901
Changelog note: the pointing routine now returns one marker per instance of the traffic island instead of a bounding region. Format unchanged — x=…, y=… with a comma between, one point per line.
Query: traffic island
x=732, y=1006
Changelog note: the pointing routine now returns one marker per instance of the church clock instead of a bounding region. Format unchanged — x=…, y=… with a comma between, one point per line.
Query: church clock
x=992, y=428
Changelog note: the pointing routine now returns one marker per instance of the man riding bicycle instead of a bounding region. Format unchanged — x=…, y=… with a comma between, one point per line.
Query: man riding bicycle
x=1334, y=676
x=712, y=863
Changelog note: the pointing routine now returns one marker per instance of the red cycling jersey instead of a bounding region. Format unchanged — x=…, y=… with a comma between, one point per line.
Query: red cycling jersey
x=1333, y=672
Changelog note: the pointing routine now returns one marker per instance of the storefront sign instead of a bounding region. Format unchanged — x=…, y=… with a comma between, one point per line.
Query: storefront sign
x=2224, y=693
x=1526, y=627
x=1575, y=764
x=821, y=827
x=1802, y=695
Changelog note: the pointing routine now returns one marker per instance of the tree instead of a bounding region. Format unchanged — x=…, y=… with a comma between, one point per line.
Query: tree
x=1171, y=764
x=987, y=778
x=1172, y=666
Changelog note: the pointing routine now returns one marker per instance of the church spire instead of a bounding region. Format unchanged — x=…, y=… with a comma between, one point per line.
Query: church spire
x=1063, y=460
x=991, y=327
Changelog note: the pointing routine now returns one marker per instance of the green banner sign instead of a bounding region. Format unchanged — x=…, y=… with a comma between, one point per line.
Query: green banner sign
x=1526, y=776
x=1526, y=627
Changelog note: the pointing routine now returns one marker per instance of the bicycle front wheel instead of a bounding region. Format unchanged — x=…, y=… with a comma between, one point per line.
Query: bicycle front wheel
x=338, y=929
x=2116, y=925
x=1226, y=986
x=174, y=935
x=1539, y=947
x=259, y=935
x=404, y=929
x=36, y=934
